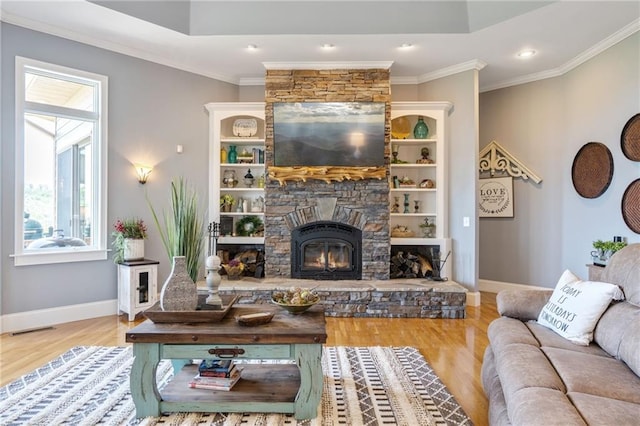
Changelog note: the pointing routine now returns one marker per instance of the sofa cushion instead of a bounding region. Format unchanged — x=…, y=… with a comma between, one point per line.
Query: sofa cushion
x=522, y=304
x=498, y=415
x=630, y=344
x=614, y=324
x=623, y=269
x=505, y=331
x=542, y=407
x=522, y=366
x=597, y=410
x=576, y=306
x=547, y=337
x=595, y=375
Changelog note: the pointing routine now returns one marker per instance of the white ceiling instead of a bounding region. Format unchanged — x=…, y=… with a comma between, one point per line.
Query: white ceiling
x=211, y=37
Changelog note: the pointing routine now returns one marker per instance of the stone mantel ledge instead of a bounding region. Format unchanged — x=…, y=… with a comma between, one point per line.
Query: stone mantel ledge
x=415, y=298
x=254, y=284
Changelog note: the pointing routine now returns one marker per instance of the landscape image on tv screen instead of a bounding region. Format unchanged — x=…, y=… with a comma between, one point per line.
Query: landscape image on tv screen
x=348, y=134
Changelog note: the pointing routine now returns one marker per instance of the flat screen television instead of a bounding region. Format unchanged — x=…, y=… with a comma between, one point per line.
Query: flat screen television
x=340, y=134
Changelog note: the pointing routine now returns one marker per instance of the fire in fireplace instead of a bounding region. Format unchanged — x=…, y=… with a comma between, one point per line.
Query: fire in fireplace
x=326, y=250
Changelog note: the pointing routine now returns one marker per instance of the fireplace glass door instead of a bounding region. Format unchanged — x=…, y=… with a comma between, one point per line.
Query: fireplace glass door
x=327, y=255
x=326, y=251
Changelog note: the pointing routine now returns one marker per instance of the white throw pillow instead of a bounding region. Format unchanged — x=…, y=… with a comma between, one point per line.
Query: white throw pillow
x=576, y=306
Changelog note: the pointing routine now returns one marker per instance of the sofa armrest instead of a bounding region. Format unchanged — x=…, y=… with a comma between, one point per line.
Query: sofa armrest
x=522, y=304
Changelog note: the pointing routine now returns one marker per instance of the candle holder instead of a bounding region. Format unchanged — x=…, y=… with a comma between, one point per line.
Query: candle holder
x=394, y=152
x=212, y=265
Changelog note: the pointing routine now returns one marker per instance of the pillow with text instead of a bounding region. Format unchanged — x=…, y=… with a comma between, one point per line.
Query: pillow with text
x=575, y=307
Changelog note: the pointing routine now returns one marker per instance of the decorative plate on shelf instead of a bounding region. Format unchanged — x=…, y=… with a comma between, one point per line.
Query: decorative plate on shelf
x=630, y=138
x=245, y=127
x=592, y=170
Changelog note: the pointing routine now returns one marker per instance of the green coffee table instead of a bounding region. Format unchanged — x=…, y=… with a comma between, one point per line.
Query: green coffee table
x=264, y=388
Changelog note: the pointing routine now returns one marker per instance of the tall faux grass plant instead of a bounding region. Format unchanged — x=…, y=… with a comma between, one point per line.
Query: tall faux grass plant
x=182, y=231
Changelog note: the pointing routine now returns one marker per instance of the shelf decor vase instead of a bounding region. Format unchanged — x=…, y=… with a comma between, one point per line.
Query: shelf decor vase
x=133, y=249
x=232, y=156
x=223, y=155
x=179, y=292
x=400, y=128
x=420, y=131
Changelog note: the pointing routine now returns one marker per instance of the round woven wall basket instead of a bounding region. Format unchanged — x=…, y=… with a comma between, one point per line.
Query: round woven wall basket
x=630, y=138
x=592, y=170
x=631, y=206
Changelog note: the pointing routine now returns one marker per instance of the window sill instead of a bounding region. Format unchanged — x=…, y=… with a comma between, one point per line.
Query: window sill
x=59, y=256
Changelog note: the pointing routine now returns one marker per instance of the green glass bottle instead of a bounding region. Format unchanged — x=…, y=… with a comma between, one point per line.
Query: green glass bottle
x=232, y=156
x=420, y=131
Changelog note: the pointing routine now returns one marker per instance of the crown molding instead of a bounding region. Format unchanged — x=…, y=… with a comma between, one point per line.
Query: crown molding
x=404, y=80
x=251, y=81
x=474, y=64
x=542, y=75
x=583, y=57
x=327, y=65
x=108, y=45
x=600, y=47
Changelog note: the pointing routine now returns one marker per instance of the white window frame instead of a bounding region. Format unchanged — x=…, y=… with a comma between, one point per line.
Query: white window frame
x=98, y=249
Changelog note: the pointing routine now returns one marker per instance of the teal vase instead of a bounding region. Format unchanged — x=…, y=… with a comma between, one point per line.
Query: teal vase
x=232, y=156
x=420, y=131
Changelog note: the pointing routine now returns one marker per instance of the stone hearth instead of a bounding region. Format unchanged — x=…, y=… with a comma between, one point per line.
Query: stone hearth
x=369, y=299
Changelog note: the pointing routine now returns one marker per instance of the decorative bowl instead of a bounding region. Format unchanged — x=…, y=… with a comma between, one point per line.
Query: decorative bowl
x=295, y=309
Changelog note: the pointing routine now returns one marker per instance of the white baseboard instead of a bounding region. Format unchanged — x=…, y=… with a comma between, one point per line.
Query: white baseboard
x=473, y=298
x=496, y=286
x=51, y=316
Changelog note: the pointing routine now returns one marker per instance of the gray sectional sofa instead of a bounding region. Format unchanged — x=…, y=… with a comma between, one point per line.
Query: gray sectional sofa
x=532, y=376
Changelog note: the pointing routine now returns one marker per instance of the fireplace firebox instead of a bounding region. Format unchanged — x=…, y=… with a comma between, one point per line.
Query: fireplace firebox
x=326, y=250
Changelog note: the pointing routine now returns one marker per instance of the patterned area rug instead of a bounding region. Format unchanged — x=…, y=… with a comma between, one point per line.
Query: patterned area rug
x=362, y=386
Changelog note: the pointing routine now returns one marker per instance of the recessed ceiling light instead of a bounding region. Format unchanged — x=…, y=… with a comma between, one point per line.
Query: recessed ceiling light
x=252, y=46
x=406, y=45
x=327, y=46
x=526, y=53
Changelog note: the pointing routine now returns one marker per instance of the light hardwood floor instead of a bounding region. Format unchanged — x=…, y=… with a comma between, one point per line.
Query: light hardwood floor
x=453, y=347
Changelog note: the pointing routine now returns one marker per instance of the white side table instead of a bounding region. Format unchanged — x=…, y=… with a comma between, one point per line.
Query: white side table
x=137, y=286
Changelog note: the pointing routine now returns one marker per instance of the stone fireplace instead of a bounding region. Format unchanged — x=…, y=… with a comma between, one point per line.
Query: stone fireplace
x=326, y=250
x=361, y=205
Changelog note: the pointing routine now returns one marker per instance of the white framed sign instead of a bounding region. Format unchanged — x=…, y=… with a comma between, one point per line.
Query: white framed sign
x=496, y=197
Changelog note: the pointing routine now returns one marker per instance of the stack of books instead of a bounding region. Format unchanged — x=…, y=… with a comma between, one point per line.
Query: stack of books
x=216, y=374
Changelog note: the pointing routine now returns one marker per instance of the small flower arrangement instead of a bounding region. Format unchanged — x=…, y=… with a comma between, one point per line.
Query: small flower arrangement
x=234, y=268
x=132, y=228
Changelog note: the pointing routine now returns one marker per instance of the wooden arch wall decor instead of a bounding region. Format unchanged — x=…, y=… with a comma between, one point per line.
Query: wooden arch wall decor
x=494, y=158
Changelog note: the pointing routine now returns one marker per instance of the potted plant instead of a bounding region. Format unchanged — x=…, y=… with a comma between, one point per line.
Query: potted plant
x=182, y=231
x=605, y=249
x=129, y=235
x=226, y=202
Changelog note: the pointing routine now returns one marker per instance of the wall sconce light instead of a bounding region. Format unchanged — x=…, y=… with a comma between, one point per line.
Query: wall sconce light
x=143, y=172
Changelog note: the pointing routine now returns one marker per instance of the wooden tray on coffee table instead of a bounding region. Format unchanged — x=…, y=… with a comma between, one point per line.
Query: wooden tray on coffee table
x=200, y=315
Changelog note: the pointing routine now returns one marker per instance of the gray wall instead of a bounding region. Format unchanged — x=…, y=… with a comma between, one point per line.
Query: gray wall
x=152, y=108
x=544, y=124
x=462, y=90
